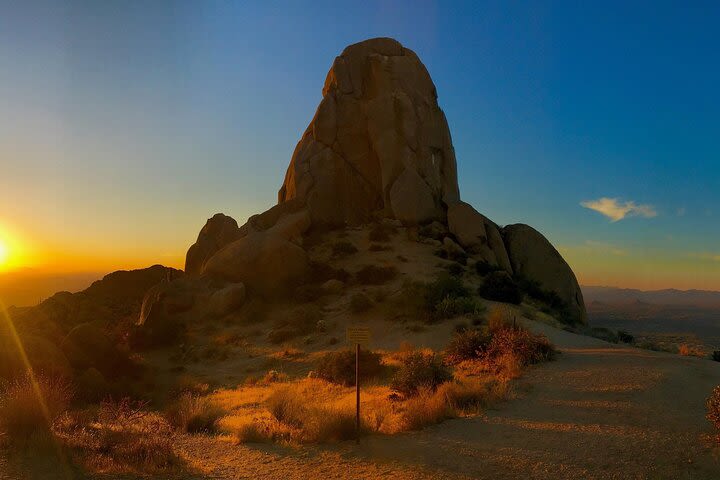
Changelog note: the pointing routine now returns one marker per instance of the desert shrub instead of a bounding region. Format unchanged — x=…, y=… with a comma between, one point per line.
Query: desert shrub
x=30, y=404
x=625, y=337
x=360, y=302
x=195, y=414
x=533, y=289
x=498, y=286
x=526, y=347
x=343, y=248
x=339, y=367
x=450, y=307
x=375, y=275
x=467, y=345
x=604, y=334
x=687, y=350
x=420, y=370
x=300, y=321
x=713, y=407
x=716, y=355
x=482, y=267
x=376, y=247
x=444, y=286
x=427, y=407
x=381, y=233
x=455, y=269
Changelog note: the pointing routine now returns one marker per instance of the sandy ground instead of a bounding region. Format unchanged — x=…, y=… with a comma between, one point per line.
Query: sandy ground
x=600, y=411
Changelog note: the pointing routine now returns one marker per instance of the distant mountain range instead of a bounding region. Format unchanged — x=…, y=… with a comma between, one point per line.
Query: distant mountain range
x=29, y=287
x=628, y=296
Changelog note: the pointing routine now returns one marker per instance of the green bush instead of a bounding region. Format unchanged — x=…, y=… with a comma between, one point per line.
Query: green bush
x=483, y=268
x=533, y=289
x=339, y=367
x=498, y=286
x=374, y=275
x=419, y=370
x=450, y=307
x=455, y=269
x=467, y=345
x=445, y=286
x=625, y=337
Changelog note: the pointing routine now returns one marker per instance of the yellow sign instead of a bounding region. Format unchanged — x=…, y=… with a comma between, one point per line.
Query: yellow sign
x=359, y=335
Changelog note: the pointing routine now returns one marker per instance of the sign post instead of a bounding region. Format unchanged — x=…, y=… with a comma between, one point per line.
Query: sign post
x=358, y=336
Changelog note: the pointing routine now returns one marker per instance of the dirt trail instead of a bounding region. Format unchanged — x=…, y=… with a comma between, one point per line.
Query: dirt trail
x=600, y=411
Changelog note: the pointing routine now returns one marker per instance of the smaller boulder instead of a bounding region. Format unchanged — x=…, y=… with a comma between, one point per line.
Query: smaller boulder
x=453, y=249
x=220, y=230
x=265, y=262
x=228, y=299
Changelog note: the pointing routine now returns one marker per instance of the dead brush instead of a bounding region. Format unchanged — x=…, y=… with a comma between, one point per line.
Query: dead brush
x=120, y=436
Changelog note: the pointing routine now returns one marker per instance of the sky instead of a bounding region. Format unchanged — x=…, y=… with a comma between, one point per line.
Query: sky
x=126, y=124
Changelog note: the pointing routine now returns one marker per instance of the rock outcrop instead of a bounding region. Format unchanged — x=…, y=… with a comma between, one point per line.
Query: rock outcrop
x=220, y=230
x=478, y=234
x=534, y=257
x=378, y=143
x=265, y=262
x=378, y=149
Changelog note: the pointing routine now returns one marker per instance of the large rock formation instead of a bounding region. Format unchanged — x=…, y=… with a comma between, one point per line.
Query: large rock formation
x=378, y=143
x=378, y=147
x=534, y=257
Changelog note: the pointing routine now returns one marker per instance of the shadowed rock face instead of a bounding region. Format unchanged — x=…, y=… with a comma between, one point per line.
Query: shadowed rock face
x=378, y=142
x=534, y=257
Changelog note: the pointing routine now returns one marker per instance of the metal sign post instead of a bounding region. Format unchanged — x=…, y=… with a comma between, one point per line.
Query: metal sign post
x=358, y=336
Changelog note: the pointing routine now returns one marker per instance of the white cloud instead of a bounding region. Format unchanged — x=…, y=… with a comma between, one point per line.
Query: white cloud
x=616, y=210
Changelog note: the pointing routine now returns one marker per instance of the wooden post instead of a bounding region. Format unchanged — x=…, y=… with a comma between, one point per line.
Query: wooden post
x=357, y=393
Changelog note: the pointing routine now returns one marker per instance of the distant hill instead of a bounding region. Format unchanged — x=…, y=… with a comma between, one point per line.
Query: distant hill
x=29, y=287
x=628, y=296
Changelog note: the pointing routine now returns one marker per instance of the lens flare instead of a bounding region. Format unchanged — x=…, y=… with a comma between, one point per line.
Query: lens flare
x=4, y=253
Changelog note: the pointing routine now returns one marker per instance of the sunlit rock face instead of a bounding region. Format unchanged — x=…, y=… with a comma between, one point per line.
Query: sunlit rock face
x=378, y=144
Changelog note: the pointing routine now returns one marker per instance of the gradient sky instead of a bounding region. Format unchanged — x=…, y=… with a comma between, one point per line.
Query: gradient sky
x=126, y=124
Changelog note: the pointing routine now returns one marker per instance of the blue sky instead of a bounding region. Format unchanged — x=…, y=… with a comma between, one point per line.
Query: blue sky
x=127, y=124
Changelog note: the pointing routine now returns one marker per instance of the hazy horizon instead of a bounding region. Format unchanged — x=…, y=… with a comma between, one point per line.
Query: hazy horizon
x=129, y=125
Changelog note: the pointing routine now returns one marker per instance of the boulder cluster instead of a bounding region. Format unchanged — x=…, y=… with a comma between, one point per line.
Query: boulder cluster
x=378, y=148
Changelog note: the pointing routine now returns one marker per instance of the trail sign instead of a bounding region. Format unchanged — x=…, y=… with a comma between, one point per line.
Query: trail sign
x=358, y=335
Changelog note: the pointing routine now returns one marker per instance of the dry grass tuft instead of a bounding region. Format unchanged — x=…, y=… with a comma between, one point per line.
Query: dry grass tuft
x=195, y=414
x=427, y=407
x=28, y=409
